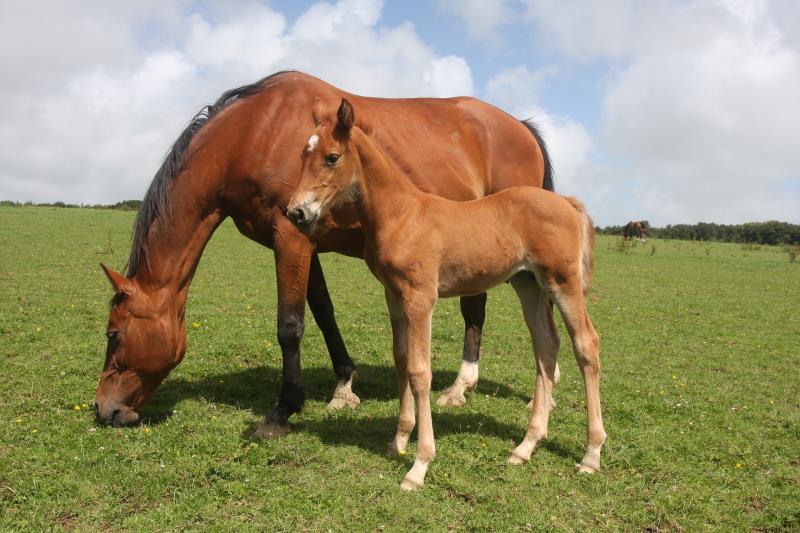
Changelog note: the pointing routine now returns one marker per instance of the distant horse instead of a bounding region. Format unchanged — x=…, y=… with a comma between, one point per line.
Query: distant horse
x=633, y=229
x=240, y=158
x=422, y=247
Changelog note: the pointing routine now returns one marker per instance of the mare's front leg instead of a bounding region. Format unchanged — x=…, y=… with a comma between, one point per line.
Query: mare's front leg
x=417, y=310
x=319, y=300
x=473, y=309
x=293, y=252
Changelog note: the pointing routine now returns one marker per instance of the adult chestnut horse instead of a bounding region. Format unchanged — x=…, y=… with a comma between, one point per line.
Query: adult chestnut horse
x=633, y=230
x=422, y=247
x=241, y=158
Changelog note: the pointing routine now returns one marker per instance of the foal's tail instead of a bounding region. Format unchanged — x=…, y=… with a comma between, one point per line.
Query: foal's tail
x=587, y=243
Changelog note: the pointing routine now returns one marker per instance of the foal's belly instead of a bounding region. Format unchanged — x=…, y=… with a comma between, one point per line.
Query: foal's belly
x=462, y=280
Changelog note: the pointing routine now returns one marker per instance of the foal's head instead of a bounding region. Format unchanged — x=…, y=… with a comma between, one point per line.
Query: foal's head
x=329, y=170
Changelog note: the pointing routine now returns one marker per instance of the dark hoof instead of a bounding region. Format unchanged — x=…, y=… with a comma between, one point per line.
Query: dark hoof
x=271, y=430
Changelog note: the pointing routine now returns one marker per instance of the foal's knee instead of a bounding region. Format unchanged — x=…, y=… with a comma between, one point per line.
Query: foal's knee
x=419, y=379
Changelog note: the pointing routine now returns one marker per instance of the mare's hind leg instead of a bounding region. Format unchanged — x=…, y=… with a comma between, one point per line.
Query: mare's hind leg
x=319, y=301
x=407, y=419
x=586, y=346
x=538, y=315
x=473, y=309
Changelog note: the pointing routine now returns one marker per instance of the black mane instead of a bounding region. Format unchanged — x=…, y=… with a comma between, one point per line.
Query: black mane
x=156, y=203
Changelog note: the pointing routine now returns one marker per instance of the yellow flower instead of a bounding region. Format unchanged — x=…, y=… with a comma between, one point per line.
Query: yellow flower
x=34, y=431
x=483, y=445
x=195, y=324
x=771, y=402
x=18, y=421
x=77, y=407
x=738, y=465
x=146, y=430
x=213, y=417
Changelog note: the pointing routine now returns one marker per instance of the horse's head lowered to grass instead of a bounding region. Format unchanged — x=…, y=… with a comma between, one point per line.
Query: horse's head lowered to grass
x=146, y=339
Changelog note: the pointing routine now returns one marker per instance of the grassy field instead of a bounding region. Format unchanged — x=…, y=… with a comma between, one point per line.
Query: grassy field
x=701, y=368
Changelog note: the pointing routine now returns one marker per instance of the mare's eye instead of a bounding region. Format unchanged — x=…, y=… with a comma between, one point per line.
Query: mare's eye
x=112, y=335
x=331, y=159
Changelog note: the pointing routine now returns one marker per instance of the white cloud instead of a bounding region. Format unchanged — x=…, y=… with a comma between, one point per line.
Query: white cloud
x=482, y=18
x=571, y=147
x=700, y=112
x=117, y=84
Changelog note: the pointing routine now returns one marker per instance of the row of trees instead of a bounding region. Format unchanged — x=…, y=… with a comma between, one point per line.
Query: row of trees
x=125, y=205
x=772, y=232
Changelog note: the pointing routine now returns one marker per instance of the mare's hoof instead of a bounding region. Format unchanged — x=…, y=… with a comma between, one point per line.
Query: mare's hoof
x=271, y=430
x=586, y=469
x=341, y=400
x=451, y=398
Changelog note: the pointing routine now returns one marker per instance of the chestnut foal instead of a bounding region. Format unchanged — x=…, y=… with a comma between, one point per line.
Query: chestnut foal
x=422, y=247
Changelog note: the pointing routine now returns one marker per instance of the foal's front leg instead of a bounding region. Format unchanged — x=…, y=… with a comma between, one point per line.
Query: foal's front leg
x=418, y=310
x=407, y=419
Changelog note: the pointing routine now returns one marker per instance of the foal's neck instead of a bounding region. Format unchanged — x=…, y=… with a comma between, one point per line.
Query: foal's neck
x=385, y=192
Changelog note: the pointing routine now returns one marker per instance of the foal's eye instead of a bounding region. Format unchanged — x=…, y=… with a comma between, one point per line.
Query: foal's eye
x=331, y=159
x=112, y=335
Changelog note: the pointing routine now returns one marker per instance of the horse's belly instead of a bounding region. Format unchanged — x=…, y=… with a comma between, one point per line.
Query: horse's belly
x=465, y=280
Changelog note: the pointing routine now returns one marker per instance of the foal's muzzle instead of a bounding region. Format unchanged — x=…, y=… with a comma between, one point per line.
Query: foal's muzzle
x=301, y=216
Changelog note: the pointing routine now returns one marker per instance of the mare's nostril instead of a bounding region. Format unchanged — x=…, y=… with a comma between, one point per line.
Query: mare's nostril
x=299, y=215
x=114, y=414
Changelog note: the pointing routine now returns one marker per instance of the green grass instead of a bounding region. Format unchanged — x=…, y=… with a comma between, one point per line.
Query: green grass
x=701, y=366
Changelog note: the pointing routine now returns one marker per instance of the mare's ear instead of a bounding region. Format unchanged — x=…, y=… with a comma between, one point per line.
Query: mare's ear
x=318, y=111
x=345, y=116
x=121, y=284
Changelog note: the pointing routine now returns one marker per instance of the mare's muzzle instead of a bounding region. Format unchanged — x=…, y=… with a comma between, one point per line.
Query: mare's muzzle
x=111, y=413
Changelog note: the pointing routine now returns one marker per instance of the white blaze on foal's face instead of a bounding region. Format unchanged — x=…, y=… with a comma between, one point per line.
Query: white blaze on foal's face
x=312, y=143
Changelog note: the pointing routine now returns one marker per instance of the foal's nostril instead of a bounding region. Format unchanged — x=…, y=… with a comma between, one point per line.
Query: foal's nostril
x=299, y=215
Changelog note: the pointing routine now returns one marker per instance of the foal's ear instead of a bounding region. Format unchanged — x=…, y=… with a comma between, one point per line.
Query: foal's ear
x=121, y=284
x=345, y=115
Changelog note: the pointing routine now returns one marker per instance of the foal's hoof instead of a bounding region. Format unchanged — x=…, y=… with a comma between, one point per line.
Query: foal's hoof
x=530, y=405
x=586, y=469
x=341, y=400
x=271, y=430
x=410, y=484
x=393, y=451
x=516, y=460
x=451, y=398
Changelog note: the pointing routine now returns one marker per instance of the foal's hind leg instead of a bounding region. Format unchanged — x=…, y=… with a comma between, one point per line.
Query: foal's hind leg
x=473, y=309
x=539, y=318
x=586, y=346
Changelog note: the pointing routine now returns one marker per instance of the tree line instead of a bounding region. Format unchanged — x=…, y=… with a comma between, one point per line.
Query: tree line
x=125, y=205
x=772, y=232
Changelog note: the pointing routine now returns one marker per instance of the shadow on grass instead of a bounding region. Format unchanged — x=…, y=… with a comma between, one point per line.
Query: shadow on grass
x=256, y=389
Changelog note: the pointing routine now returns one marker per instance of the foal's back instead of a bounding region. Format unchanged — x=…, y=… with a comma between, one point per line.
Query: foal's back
x=481, y=243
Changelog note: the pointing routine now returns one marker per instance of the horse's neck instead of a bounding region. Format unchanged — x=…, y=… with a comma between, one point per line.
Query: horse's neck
x=174, y=244
x=385, y=191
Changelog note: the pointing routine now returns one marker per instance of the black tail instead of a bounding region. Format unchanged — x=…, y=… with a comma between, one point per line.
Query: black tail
x=547, y=182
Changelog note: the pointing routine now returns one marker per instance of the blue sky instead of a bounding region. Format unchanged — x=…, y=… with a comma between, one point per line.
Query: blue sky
x=670, y=111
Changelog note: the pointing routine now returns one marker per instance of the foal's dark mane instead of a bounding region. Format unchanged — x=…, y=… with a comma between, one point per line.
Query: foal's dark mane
x=156, y=203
